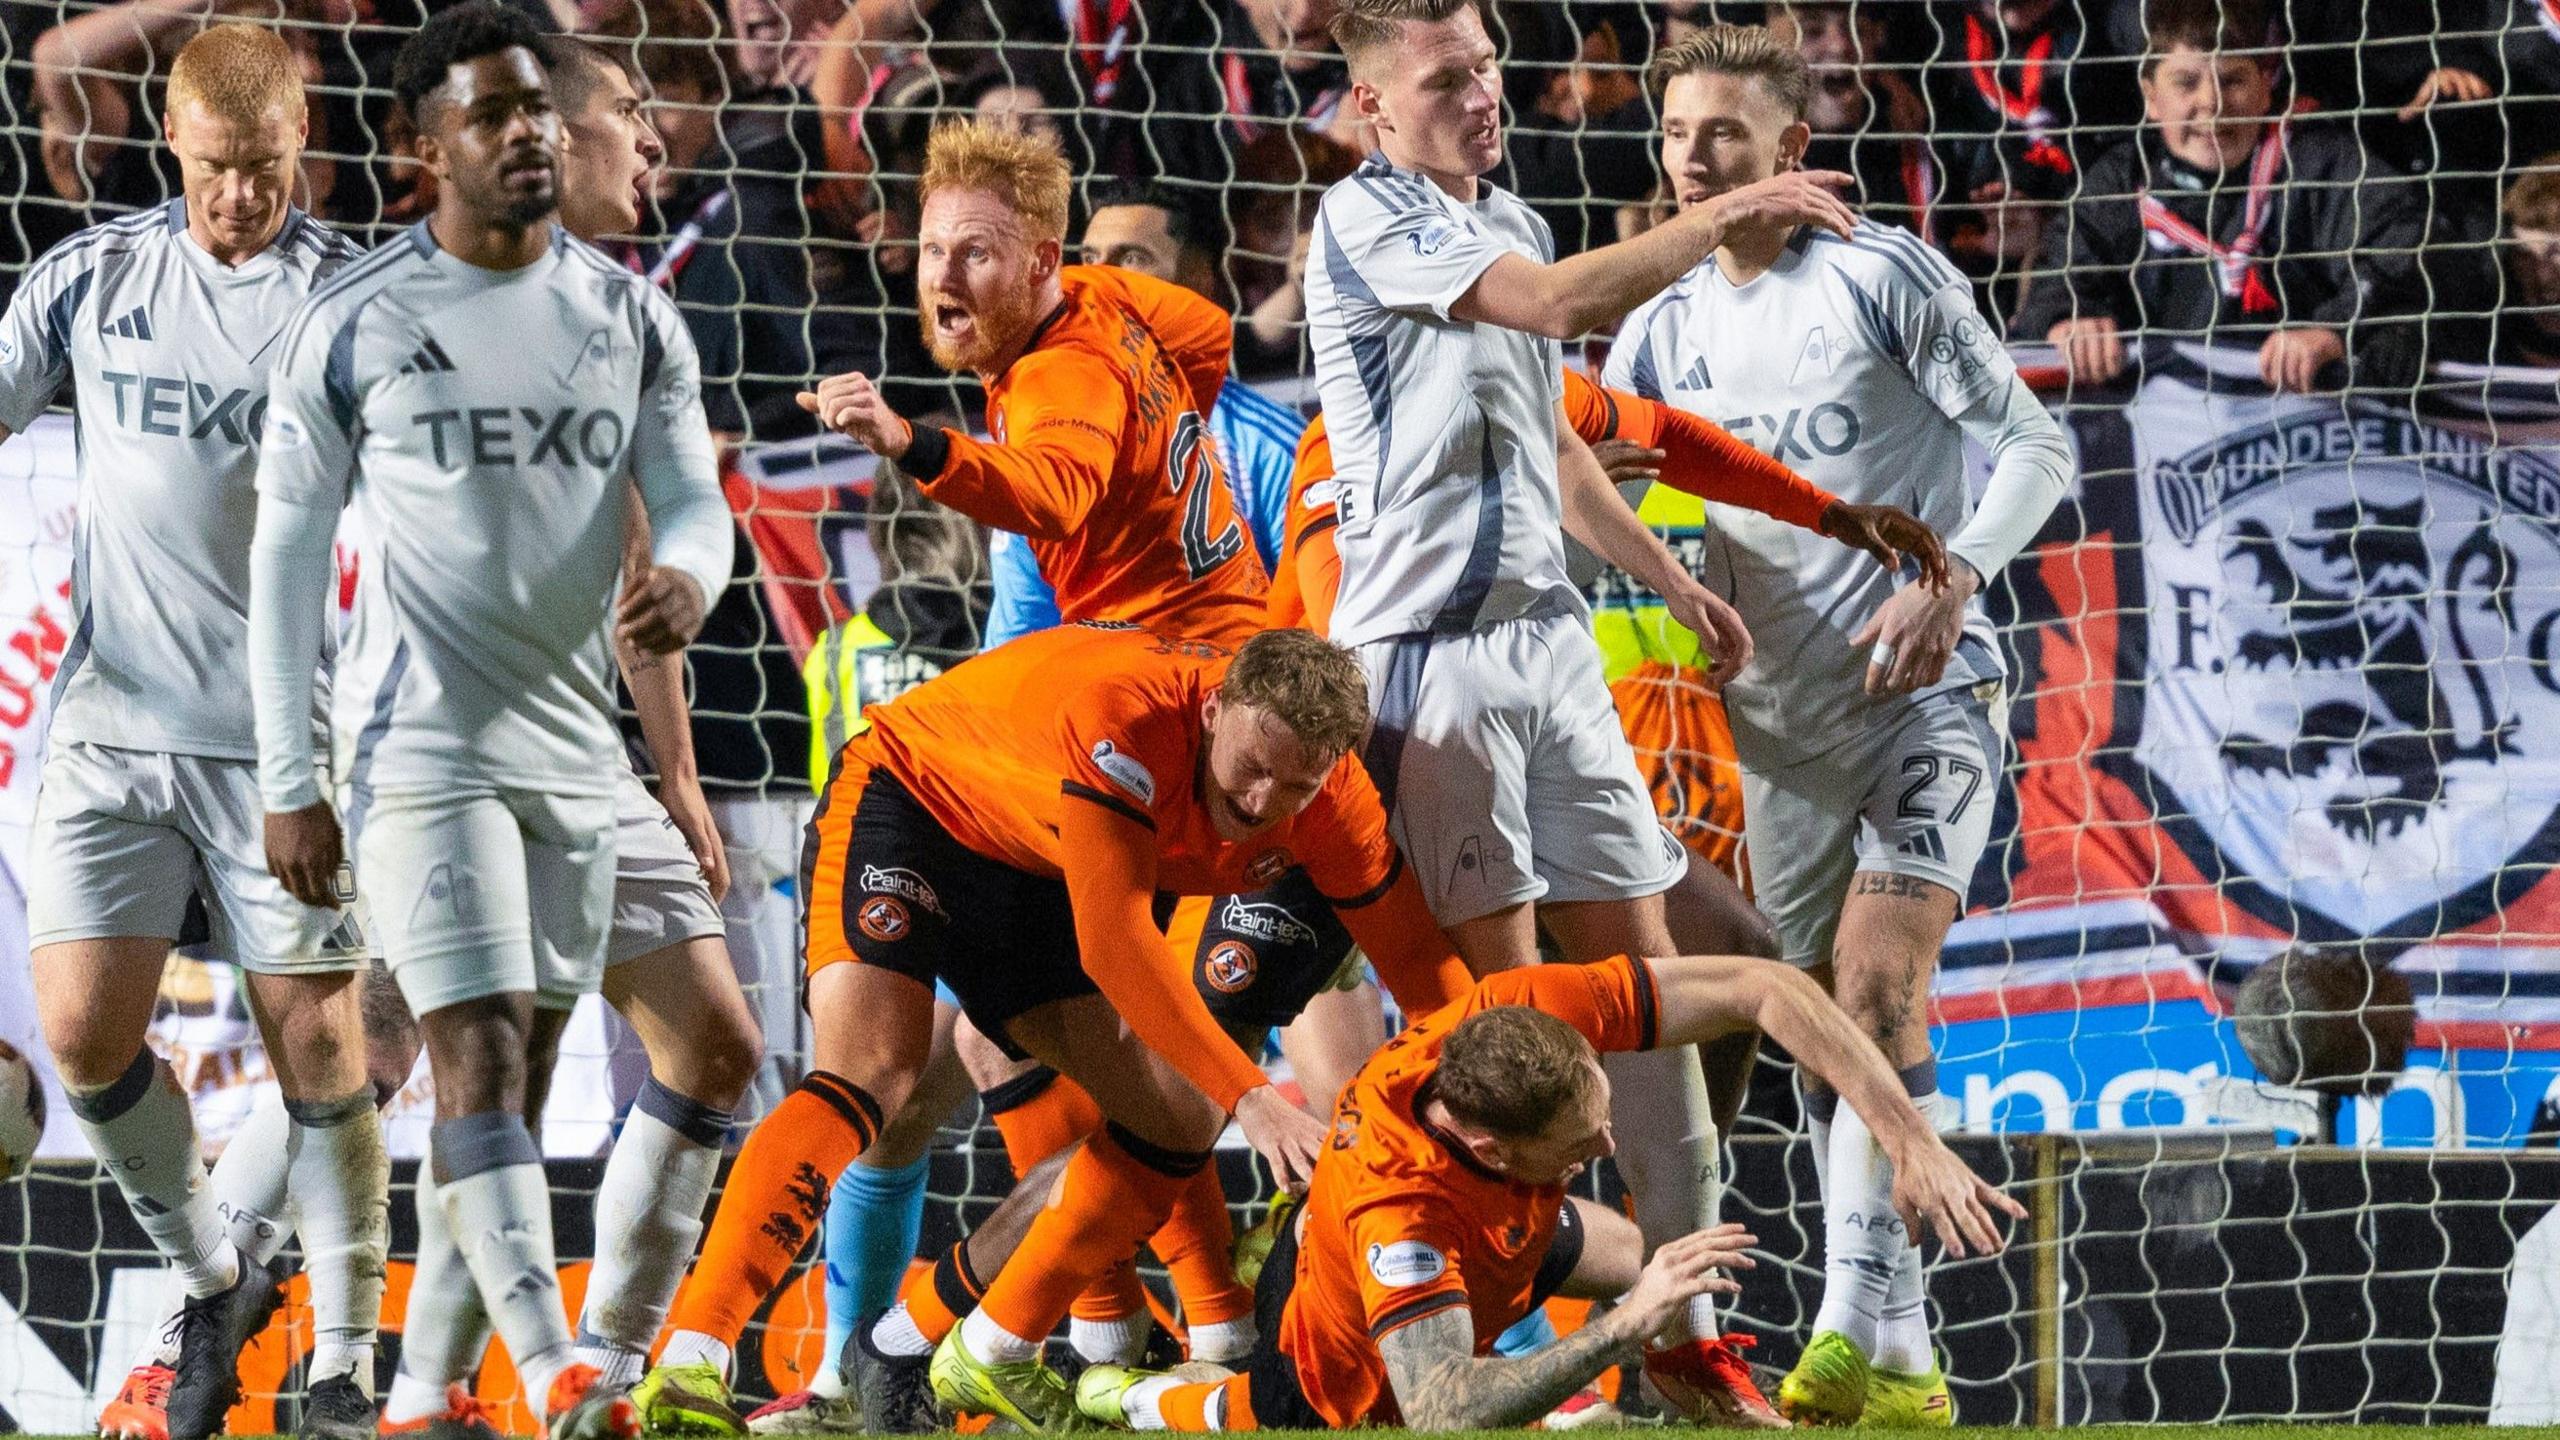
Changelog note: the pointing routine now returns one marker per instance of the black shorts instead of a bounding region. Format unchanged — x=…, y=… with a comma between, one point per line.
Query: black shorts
x=1271, y=1377
x=1264, y=954
x=926, y=906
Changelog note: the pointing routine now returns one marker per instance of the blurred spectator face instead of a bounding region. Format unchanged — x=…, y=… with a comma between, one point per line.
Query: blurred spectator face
x=1140, y=238
x=239, y=174
x=607, y=153
x=979, y=278
x=2018, y=17
x=2533, y=265
x=1435, y=96
x=1836, y=41
x=2210, y=108
x=1019, y=107
x=1295, y=28
x=686, y=121
x=1721, y=132
x=763, y=34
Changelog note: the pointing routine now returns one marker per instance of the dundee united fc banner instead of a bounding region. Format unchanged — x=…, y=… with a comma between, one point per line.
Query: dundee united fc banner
x=2286, y=676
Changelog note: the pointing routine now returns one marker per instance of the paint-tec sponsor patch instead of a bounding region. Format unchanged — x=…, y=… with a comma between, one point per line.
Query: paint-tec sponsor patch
x=1125, y=771
x=1406, y=1262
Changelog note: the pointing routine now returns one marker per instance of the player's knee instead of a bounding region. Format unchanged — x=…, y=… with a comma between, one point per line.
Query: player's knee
x=480, y=1059
x=721, y=1060
x=85, y=1058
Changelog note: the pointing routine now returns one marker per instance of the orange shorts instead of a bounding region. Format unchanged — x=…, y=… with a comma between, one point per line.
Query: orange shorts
x=1684, y=747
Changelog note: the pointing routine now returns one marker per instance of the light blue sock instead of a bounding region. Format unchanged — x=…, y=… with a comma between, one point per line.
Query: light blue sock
x=872, y=1223
x=1531, y=1332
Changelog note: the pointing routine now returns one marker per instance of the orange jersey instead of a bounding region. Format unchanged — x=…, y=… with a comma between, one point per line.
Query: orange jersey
x=1699, y=457
x=1103, y=460
x=1078, y=753
x=1402, y=1224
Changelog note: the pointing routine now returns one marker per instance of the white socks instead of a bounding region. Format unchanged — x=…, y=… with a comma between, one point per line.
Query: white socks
x=141, y=1130
x=896, y=1334
x=498, y=1204
x=1871, y=1265
x=648, y=1216
x=340, y=1177
x=1224, y=1342
x=446, y=1332
x=1667, y=1154
x=687, y=1347
x=993, y=1344
x=1110, y=1342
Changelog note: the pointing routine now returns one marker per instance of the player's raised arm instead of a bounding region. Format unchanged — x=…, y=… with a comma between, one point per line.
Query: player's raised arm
x=1597, y=515
x=1700, y=997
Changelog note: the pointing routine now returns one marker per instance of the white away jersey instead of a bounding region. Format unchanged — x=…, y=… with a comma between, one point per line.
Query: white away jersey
x=1849, y=360
x=1443, y=432
x=166, y=352
x=484, y=423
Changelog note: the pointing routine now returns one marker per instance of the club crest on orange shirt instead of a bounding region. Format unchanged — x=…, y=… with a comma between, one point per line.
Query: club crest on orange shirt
x=883, y=918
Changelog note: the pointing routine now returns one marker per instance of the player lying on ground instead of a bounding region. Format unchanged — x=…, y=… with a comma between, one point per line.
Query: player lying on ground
x=1436, y=313
x=1025, y=809
x=1438, y=1215
x=1871, y=758
x=484, y=389
x=158, y=323
x=667, y=968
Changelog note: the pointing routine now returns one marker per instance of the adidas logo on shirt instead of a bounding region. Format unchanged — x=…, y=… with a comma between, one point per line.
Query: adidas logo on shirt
x=1696, y=378
x=429, y=360
x=1926, y=845
x=134, y=324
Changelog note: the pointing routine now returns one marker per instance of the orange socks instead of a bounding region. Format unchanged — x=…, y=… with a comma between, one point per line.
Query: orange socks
x=937, y=1296
x=776, y=1193
x=1038, y=1115
x=1196, y=1245
x=1116, y=1191
x=1191, y=1407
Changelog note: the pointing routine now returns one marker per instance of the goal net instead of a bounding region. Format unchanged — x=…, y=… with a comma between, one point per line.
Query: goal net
x=2280, y=667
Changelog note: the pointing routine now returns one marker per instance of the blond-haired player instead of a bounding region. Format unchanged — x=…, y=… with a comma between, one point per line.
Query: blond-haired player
x=160, y=324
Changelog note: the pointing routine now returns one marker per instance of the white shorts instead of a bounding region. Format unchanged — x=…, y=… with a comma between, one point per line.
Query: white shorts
x=476, y=891
x=126, y=842
x=1913, y=797
x=1506, y=773
x=659, y=895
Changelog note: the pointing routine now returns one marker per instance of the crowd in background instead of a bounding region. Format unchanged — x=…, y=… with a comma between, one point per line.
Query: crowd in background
x=2060, y=151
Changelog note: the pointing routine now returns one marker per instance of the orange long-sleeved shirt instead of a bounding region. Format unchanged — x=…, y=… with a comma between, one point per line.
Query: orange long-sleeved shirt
x=1102, y=459
x=1079, y=752
x=1699, y=457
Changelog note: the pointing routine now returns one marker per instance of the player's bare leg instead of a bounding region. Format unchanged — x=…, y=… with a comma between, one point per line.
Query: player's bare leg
x=703, y=1043
x=1116, y=1191
x=873, y=1033
x=1677, y=1179
x=1708, y=914
x=1332, y=1038
x=1870, y=1347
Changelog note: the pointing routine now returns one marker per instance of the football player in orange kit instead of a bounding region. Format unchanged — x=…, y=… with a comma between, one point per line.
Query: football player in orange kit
x=1098, y=381
x=1439, y=1216
x=1006, y=828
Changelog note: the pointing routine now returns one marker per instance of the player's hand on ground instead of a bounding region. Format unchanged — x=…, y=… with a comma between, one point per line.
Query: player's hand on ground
x=2091, y=349
x=1285, y=1136
x=1693, y=1265
x=2293, y=359
x=692, y=816
x=1915, y=632
x=1718, y=626
x=1782, y=202
x=661, y=611
x=853, y=407
x=1627, y=461
x=1931, y=1185
x=305, y=852
x=1888, y=533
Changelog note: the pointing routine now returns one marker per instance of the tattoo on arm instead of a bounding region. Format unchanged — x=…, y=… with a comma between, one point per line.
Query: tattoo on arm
x=1900, y=887
x=1441, y=1384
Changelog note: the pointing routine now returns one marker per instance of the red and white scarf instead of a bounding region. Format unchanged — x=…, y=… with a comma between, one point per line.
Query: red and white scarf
x=2237, y=261
x=2024, y=107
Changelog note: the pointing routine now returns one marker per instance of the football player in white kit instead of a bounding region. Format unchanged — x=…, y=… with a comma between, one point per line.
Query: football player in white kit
x=1871, y=756
x=484, y=387
x=1436, y=309
x=667, y=967
x=162, y=324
